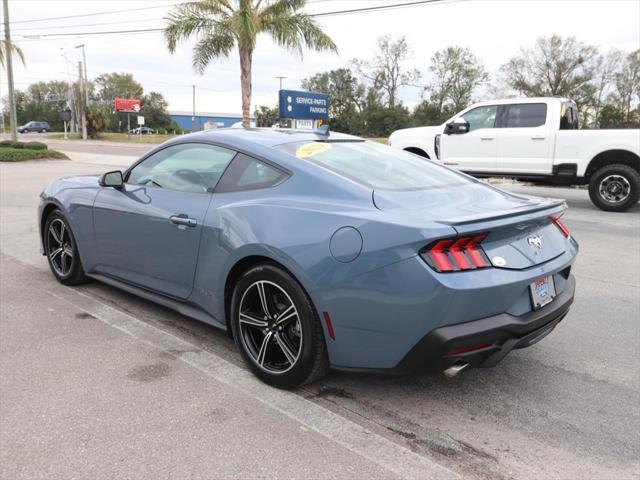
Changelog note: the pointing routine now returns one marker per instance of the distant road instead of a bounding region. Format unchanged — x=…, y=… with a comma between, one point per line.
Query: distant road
x=89, y=146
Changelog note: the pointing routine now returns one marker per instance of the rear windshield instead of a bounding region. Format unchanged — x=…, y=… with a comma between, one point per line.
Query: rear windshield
x=375, y=165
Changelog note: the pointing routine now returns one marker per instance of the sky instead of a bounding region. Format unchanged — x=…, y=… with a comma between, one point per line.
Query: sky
x=494, y=30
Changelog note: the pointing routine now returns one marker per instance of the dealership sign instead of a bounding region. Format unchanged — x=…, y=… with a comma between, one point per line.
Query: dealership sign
x=127, y=105
x=304, y=105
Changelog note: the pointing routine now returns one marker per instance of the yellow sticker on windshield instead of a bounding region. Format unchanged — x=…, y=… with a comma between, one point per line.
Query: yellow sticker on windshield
x=311, y=149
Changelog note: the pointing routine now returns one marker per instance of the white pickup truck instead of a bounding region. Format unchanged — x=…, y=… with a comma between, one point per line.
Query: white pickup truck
x=534, y=139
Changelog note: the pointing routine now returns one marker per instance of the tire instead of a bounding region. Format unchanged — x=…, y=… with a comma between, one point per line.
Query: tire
x=615, y=188
x=61, y=240
x=286, y=355
x=44, y=130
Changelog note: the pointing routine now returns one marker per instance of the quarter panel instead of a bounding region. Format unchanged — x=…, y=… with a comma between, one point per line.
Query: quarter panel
x=390, y=309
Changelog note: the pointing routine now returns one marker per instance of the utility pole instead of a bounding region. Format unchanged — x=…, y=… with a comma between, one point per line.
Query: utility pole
x=193, y=116
x=1, y=105
x=82, y=103
x=281, y=78
x=13, y=117
x=86, y=80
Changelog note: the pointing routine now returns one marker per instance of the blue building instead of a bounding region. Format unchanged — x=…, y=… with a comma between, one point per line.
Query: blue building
x=205, y=120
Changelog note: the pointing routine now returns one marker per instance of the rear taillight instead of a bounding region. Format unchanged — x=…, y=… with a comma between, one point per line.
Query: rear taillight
x=560, y=225
x=456, y=254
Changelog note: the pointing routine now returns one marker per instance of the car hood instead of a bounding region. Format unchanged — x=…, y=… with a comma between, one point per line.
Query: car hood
x=76, y=181
x=415, y=132
x=89, y=180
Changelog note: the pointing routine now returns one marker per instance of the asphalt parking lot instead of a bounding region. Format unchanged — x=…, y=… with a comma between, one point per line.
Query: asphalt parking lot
x=96, y=383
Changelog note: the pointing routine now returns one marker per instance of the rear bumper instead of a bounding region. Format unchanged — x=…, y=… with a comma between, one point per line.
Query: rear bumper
x=502, y=333
x=445, y=346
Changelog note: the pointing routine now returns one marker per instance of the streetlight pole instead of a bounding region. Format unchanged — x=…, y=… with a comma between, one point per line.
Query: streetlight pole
x=13, y=117
x=83, y=109
x=281, y=78
x=193, y=116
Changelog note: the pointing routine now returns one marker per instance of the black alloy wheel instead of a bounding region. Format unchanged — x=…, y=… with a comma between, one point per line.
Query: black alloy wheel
x=61, y=250
x=277, y=329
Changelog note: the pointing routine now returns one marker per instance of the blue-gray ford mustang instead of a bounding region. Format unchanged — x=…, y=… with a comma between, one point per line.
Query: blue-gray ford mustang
x=317, y=251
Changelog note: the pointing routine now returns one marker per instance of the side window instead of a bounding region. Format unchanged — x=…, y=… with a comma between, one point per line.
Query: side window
x=481, y=117
x=568, y=116
x=525, y=115
x=188, y=167
x=246, y=173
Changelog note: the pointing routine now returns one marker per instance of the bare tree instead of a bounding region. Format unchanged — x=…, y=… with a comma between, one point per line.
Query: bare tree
x=555, y=66
x=606, y=67
x=627, y=83
x=386, y=70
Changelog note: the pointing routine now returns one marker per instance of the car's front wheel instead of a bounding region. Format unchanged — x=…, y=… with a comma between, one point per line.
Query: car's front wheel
x=62, y=251
x=615, y=188
x=276, y=328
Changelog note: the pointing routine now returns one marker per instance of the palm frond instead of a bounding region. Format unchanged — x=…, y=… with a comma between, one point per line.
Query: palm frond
x=246, y=25
x=8, y=48
x=282, y=7
x=199, y=18
x=295, y=31
x=206, y=49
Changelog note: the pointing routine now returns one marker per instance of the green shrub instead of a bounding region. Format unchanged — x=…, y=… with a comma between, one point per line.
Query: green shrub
x=20, y=154
x=12, y=144
x=35, y=146
x=97, y=122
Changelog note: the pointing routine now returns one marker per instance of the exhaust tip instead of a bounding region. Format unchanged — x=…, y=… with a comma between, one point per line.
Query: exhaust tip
x=454, y=370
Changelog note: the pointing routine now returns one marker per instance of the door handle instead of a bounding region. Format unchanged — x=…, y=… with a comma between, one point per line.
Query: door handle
x=487, y=138
x=538, y=138
x=182, y=219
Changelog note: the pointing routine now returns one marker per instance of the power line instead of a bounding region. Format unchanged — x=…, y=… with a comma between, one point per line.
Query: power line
x=120, y=21
x=84, y=34
x=381, y=7
x=321, y=14
x=56, y=27
x=95, y=13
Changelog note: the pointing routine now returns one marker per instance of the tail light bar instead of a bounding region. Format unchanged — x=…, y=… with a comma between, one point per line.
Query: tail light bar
x=456, y=254
x=556, y=220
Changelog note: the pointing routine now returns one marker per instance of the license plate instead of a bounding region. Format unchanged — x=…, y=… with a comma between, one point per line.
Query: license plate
x=543, y=291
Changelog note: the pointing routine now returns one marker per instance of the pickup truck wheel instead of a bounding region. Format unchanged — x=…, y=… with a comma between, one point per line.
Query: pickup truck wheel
x=615, y=188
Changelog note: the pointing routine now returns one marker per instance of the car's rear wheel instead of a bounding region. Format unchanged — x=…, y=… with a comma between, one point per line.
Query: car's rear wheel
x=276, y=328
x=615, y=188
x=62, y=251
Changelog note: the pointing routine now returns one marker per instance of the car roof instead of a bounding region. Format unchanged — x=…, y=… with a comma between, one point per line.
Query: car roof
x=268, y=137
x=503, y=101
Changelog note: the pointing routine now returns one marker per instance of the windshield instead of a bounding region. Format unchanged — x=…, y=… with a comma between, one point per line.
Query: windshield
x=375, y=165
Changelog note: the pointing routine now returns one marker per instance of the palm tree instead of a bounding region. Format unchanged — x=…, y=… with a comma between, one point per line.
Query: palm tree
x=220, y=25
x=8, y=47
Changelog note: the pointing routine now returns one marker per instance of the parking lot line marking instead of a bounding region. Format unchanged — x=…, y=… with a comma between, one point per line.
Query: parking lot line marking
x=352, y=436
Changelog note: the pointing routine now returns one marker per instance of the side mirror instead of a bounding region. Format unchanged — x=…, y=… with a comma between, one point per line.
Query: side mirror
x=457, y=127
x=111, y=179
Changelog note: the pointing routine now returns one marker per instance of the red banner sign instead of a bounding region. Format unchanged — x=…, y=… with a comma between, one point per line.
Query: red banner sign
x=127, y=105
